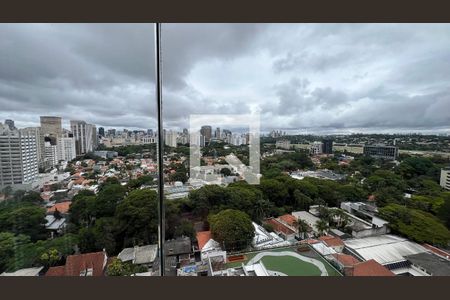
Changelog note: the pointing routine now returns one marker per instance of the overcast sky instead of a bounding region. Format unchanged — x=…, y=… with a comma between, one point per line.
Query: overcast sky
x=323, y=78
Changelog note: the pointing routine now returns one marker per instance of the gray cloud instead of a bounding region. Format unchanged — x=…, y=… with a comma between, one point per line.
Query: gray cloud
x=325, y=76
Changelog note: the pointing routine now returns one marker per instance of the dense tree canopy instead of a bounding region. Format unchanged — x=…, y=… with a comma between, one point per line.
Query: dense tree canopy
x=231, y=228
x=417, y=225
x=137, y=217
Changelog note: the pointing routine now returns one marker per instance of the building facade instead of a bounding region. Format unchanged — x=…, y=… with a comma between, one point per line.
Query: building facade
x=18, y=157
x=170, y=138
x=381, y=151
x=445, y=178
x=316, y=148
x=51, y=127
x=51, y=154
x=66, y=149
x=327, y=146
x=283, y=144
x=206, y=131
x=85, y=136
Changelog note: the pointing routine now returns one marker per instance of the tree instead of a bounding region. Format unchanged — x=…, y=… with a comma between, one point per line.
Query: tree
x=7, y=191
x=322, y=226
x=233, y=229
x=107, y=199
x=120, y=268
x=302, y=201
x=185, y=228
x=444, y=210
x=339, y=217
x=274, y=191
x=302, y=228
x=50, y=257
x=28, y=220
x=417, y=225
x=82, y=210
x=178, y=176
x=137, y=217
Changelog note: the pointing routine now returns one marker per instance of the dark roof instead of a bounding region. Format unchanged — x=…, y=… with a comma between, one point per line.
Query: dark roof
x=433, y=264
x=178, y=246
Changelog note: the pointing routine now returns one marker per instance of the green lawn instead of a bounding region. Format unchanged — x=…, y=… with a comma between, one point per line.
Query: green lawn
x=290, y=266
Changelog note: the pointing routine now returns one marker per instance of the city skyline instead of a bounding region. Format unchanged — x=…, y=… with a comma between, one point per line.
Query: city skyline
x=318, y=78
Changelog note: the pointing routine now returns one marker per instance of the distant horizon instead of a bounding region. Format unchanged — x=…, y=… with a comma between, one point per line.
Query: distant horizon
x=289, y=131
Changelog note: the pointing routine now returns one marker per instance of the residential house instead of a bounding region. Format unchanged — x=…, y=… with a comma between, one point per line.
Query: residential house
x=88, y=264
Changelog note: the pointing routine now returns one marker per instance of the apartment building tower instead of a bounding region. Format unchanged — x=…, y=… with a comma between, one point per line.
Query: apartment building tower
x=18, y=157
x=85, y=136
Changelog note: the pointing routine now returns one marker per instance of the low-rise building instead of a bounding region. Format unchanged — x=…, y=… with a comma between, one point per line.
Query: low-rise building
x=309, y=219
x=388, y=250
x=37, y=271
x=381, y=151
x=139, y=255
x=88, y=264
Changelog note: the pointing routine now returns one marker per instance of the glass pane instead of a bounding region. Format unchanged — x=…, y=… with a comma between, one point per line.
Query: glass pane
x=78, y=150
x=305, y=149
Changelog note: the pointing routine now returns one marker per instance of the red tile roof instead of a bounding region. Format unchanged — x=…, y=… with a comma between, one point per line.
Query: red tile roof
x=331, y=241
x=75, y=264
x=371, y=268
x=202, y=238
x=56, y=271
x=288, y=219
x=62, y=207
x=346, y=260
x=279, y=227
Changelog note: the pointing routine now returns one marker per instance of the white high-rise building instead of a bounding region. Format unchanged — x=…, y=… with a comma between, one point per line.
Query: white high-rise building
x=51, y=154
x=170, y=138
x=66, y=149
x=85, y=136
x=237, y=139
x=40, y=143
x=18, y=157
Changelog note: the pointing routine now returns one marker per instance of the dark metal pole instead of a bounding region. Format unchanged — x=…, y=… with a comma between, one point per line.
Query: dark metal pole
x=160, y=149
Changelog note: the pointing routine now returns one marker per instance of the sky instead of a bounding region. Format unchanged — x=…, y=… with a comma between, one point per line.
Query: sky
x=302, y=78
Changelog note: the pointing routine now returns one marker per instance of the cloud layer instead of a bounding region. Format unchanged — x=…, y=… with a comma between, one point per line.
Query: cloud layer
x=316, y=77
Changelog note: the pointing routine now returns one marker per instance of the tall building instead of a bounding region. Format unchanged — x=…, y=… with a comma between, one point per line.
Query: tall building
x=237, y=139
x=170, y=138
x=10, y=124
x=150, y=132
x=112, y=132
x=66, y=149
x=18, y=157
x=51, y=154
x=217, y=133
x=85, y=136
x=327, y=146
x=40, y=144
x=101, y=131
x=185, y=131
x=51, y=127
x=381, y=151
x=445, y=178
x=206, y=131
